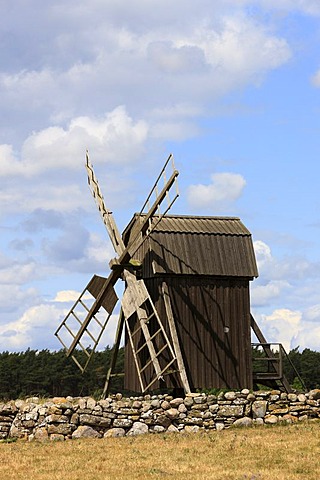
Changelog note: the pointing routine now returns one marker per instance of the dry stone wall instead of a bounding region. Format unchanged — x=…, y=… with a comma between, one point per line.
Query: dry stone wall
x=71, y=418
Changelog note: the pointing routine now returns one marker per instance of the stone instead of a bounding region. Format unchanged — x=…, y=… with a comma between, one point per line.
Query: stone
x=230, y=395
x=302, y=398
x=163, y=420
x=199, y=407
x=245, y=391
x=200, y=400
x=122, y=422
x=74, y=419
x=91, y=403
x=251, y=397
x=314, y=394
x=165, y=405
x=274, y=398
x=259, y=408
x=290, y=418
x=208, y=423
x=292, y=397
x=230, y=411
x=214, y=408
x=243, y=422
x=172, y=413
x=176, y=402
x=137, y=404
x=147, y=414
x=138, y=428
x=16, y=432
x=219, y=426
x=84, y=431
x=258, y=421
x=56, y=418
x=104, y=404
x=182, y=408
x=279, y=411
x=271, y=419
x=54, y=410
x=115, y=432
x=303, y=418
x=55, y=437
x=195, y=413
x=172, y=429
x=191, y=429
x=94, y=420
x=207, y=415
x=118, y=396
x=60, y=428
x=58, y=400
x=158, y=429
x=41, y=434
x=188, y=401
x=211, y=399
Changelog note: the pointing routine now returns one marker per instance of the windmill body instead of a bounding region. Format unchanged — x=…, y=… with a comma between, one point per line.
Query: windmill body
x=205, y=264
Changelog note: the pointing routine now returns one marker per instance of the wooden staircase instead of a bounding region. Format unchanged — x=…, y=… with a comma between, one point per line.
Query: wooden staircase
x=269, y=359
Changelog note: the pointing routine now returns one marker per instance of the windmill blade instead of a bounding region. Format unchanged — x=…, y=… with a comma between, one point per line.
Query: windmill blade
x=105, y=213
x=101, y=288
x=68, y=331
x=150, y=209
x=103, y=295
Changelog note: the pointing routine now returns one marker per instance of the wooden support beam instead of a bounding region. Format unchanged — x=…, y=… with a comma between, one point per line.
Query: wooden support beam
x=175, y=339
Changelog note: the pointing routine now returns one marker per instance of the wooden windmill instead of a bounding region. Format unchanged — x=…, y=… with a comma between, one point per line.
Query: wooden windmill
x=186, y=303
x=83, y=326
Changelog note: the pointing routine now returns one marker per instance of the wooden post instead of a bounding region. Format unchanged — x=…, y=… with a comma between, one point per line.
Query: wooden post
x=114, y=355
x=175, y=340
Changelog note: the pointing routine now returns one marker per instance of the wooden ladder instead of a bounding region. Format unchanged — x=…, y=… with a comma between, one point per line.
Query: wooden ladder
x=148, y=338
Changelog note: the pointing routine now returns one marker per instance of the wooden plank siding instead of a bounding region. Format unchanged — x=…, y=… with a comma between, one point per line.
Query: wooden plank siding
x=202, y=308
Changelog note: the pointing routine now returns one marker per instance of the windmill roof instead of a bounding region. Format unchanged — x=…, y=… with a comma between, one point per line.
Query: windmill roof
x=196, y=245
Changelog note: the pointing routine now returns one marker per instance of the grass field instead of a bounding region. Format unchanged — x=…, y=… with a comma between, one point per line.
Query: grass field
x=260, y=453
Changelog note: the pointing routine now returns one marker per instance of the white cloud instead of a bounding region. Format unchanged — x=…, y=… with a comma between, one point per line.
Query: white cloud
x=262, y=252
x=292, y=328
x=312, y=313
x=65, y=296
x=190, y=58
x=114, y=138
x=281, y=326
x=224, y=189
x=35, y=326
x=265, y=294
x=307, y=337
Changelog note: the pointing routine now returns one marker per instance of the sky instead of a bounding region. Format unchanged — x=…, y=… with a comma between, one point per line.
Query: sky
x=230, y=87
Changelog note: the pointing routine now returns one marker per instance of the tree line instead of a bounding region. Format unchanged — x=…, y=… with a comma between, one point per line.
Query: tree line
x=50, y=373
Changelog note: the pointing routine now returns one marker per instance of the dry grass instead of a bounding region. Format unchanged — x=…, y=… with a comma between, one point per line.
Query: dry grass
x=264, y=453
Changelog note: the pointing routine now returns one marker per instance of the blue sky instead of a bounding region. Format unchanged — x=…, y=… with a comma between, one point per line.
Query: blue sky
x=230, y=87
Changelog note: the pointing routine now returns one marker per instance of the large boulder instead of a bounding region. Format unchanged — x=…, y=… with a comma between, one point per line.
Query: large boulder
x=84, y=431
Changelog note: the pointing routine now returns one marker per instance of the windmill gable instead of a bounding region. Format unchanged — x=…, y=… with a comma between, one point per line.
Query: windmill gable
x=189, y=245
